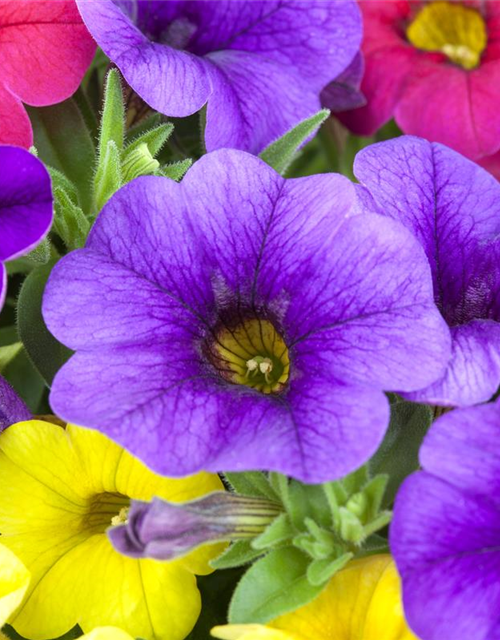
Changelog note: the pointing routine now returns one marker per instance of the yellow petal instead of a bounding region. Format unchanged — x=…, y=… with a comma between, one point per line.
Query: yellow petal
x=361, y=602
x=50, y=478
x=14, y=581
x=251, y=632
x=107, y=633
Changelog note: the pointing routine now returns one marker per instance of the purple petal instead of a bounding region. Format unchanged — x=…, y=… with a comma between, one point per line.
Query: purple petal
x=12, y=408
x=445, y=544
x=25, y=202
x=452, y=206
x=260, y=65
x=446, y=529
x=205, y=425
x=363, y=312
x=473, y=373
x=171, y=81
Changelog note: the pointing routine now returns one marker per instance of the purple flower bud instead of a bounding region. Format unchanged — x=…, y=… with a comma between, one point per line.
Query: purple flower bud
x=12, y=408
x=164, y=530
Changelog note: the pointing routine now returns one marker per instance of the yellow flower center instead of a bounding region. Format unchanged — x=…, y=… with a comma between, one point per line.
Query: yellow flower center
x=450, y=28
x=253, y=354
x=105, y=509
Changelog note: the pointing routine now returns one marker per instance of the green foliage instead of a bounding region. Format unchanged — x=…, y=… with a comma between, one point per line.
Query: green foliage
x=274, y=585
x=64, y=143
x=320, y=529
x=281, y=153
x=397, y=456
x=47, y=354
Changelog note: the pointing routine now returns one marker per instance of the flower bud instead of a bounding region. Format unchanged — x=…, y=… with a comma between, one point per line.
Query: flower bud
x=164, y=530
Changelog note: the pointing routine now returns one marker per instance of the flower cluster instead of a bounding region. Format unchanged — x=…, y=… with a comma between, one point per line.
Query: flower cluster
x=250, y=319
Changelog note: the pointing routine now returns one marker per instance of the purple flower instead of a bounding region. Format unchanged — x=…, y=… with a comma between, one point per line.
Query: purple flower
x=453, y=208
x=25, y=206
x=259, y=66
x=12, y=408
x=242, y=321
x=445, y=535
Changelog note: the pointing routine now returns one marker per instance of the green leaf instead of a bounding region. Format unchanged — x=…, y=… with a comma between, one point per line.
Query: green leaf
x=154, y=139
x=176, y=170
x=64, y=142
x=320, y=571
x=70, y=223
x=281, y=153
x=397, y=456
x=272, y=586
x=109, y=178
x=113, y=115
x=251, y=483
x=47, y=354
x=26, y=380
x=278, y=532
x=8, y=353
x=236, y=555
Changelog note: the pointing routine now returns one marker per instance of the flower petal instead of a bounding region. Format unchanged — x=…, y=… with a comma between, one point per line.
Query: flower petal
x=51, y=36
x=16, y=126
x=473, y=373
x=107, y=633
x=170, y=81
x=446, y=104
x=25, y=202
x=207, y=426
x=14, y=581
x=446, y=547
x=12, y=408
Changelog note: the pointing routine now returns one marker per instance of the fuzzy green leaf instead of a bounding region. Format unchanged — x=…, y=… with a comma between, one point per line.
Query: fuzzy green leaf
x=154, y=139
x=176, y=170
x=64, y=143
x=113, y=115
x=278, y=532
x=281, y=153
x=238, y=554
x=273, y=586
x=251, y=483
x=320, y=571
x=109, y=179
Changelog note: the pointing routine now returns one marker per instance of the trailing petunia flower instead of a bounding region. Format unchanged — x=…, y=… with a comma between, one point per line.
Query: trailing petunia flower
x=241, y=321
x=435, y=67
x=12, y=408
x=25, y=206
x=361, y=602
x=453, y=208
x=259, y=66
x=45, y=50
x=61, y=490
x=446, y=529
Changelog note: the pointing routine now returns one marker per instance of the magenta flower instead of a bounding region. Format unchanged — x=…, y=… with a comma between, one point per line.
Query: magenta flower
x=453, y=207
x=238, y=321
x=45, y=51
x=446, y=529
x=259, y=66
x=25, y=206
x=435, y=68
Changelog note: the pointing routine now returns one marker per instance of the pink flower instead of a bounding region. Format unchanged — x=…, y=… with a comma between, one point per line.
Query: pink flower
x=435, y=68
x=45, y=50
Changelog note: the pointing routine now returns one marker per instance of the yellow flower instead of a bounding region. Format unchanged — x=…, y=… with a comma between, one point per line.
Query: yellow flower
x=361, y=602
x=14, y=581
x=61, y=488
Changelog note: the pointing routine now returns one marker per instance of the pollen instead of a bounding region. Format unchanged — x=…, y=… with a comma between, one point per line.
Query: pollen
x=252, y=353
x=450, y=28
